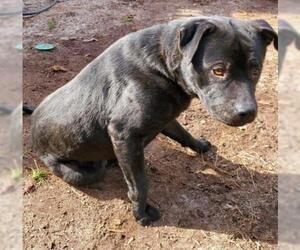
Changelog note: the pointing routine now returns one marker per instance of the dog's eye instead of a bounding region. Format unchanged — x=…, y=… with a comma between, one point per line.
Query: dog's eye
x=219, y=71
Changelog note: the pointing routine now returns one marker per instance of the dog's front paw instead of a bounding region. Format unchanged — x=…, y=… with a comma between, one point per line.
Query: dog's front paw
x=202, y=146
x=151, y=214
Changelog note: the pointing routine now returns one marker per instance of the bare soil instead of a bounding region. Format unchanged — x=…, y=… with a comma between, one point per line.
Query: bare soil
x=225, y=199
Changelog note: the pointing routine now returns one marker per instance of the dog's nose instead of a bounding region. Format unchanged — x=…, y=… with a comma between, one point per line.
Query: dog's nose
x=243, y=114
x=246, y=113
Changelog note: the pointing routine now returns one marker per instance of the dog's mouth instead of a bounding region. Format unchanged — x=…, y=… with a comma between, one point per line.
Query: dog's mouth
x=233, y=122
x=232, y=119
x=227, y=114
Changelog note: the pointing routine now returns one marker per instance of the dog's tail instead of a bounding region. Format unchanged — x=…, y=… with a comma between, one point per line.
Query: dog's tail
x=76, y=173
x=28, y=110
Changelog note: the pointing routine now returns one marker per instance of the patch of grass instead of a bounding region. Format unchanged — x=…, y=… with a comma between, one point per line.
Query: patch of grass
x=16, y=174
x=128, y=19
x=51, y=24
x=38, y=175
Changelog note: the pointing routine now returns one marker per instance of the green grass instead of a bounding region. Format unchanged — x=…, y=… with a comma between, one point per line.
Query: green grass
x=38, y=175
x=128, y=19
x=51, y=24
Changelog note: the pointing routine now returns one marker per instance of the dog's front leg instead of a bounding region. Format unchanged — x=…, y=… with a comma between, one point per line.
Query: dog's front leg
x=130, y=155
x=176, y=132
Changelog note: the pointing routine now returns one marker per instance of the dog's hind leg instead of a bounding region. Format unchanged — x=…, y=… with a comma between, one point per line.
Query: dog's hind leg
x=176, y=132
x=74, y=172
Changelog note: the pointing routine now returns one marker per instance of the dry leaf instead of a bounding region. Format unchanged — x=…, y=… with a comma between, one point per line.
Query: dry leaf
x=58, y=68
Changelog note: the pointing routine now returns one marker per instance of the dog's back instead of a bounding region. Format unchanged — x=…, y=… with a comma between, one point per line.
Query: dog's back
x=67, y=122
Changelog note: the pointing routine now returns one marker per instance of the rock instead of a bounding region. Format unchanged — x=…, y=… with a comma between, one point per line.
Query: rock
x=117, y=222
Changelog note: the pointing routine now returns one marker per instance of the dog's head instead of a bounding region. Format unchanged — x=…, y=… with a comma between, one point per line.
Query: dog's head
x=220, y=61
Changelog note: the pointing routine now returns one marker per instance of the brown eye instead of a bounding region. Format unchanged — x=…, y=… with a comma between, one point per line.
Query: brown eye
x=219, y=72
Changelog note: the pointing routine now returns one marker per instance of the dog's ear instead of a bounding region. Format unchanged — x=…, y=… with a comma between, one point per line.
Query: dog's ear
x=190, y=35
x=267, y=32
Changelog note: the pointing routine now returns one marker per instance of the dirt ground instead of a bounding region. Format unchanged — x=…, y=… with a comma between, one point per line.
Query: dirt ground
x=225, y=199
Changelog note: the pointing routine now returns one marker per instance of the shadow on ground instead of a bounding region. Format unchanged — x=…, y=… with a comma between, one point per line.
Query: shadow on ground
x=205, y=192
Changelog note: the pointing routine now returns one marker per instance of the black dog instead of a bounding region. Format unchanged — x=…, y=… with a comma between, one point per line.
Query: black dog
x=135, y=90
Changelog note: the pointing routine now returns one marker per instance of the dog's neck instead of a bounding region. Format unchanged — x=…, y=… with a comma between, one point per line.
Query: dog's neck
x=154, y=57
x=161, y=55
